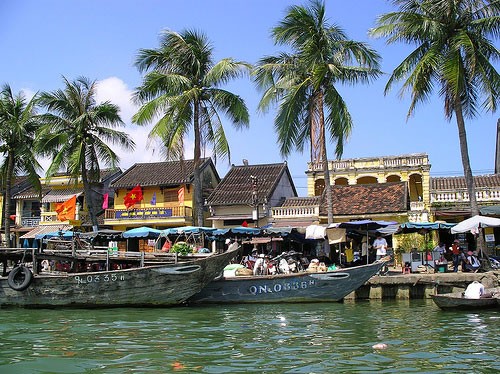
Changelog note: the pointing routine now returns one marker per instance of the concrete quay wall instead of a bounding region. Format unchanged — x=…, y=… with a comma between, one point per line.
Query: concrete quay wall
x=420, y=286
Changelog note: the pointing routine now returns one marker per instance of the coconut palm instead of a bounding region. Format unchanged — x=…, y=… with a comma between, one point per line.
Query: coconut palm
x=453, y=51
x=304, y=81
x=77, y=135
x=18, y=125
x=180, y=92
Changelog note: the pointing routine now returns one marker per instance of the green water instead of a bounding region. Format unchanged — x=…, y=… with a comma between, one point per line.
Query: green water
x=293, y=338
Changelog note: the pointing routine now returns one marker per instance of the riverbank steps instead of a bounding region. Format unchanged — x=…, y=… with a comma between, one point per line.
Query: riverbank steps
x=399, y=286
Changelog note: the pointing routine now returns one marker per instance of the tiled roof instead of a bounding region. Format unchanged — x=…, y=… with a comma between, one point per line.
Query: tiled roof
x=368, y=199
x=166, y=173
x=456, y=183
x=236, y=187
x=60, y=195
x=302, y=201
x=30, y=193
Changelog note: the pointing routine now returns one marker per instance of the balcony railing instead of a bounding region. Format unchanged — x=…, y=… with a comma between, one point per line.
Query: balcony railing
x=148, y=213
x=417, y=206
x=295, y=212
x=373, y=162
x=30, y=221
x=463, y=196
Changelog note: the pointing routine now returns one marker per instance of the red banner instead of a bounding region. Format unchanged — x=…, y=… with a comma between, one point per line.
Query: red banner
x=180, y=195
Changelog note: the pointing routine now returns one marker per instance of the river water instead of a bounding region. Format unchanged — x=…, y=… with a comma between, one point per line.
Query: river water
x=280, y=338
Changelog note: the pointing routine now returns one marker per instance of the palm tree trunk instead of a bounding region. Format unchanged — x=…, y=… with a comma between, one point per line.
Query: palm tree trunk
x=8, y=185
x=198, y=193
x=324, y=158
x=89, y=201
x=469, y=180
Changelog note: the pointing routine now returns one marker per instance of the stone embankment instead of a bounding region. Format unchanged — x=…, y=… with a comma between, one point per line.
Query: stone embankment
x=420, y=285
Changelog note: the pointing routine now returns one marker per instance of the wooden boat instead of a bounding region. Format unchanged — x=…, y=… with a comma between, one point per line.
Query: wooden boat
x=290, y=288
x=456, y=300
x=155, y=285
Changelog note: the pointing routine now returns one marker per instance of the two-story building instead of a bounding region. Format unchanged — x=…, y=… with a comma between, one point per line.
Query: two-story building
x=166, y=190
x=248, y=193
x=379, y=188
x=36, y=212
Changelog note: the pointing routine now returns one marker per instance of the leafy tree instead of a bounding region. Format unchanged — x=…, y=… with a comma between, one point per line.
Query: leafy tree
x=18, y=125
x=453, y=51
x=304, y=81
x=76, y=134
x=180, y=92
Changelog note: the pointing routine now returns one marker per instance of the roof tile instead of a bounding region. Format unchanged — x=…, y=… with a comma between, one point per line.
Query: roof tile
x=456, y=183
x=236, y=186
x=368, y=199
x=166, y=173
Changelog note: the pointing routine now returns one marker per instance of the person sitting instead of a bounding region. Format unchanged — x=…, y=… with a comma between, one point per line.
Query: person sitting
x=260, y=267
x=472, y=262
x=249, y=261
x=475, y=290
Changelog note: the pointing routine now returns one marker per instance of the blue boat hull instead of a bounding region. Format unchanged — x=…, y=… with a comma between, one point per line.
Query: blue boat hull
x=287, y=288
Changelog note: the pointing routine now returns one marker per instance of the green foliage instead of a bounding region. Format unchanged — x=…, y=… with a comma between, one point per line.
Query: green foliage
x=181, y=93
x=181, y=248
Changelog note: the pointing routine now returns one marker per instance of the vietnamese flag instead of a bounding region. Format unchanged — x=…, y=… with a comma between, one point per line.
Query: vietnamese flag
x=133, y=197
x=67, y=210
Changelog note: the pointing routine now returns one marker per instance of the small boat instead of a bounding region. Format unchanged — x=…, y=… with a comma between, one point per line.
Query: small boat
x=153, y=285
x=287, y=288
x=457, y=301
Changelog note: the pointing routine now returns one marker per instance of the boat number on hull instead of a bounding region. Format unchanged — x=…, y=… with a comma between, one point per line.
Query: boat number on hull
x=280, y=287
x=98, y=278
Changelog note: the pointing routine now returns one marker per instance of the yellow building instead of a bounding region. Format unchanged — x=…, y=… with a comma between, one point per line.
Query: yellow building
x=166, y=194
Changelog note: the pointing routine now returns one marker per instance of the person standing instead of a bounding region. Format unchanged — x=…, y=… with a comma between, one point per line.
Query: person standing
x=456, y=254
x=380, y=245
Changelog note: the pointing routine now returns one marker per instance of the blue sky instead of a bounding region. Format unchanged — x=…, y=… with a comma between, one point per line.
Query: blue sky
x=42, y=40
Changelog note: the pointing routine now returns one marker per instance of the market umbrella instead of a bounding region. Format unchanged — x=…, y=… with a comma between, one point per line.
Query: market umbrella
x=142, y=232
x=473, y=225
x=365, y=226
x=409, y=227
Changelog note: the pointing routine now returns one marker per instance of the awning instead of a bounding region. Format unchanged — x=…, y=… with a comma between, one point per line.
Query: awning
x=45, y=229
x=58, y=196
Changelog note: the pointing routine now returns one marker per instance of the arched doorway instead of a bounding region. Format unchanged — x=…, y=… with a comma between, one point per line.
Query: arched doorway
x=341, y=181
x=415, y=187
x=367, y=180
x=393, y=178
x=319, y=187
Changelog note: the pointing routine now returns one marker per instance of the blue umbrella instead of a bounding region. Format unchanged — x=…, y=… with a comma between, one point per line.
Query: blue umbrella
x=54, y=234
x=142, y=232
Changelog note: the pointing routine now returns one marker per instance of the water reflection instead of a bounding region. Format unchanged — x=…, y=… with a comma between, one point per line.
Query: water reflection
x=302, y=338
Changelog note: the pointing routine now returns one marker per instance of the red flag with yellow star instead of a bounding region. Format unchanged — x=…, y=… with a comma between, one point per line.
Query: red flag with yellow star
x=67, y=210
x=133, y=197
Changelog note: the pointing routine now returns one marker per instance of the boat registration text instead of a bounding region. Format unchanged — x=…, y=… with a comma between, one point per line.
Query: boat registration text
x=281, y=287
x=98, y=278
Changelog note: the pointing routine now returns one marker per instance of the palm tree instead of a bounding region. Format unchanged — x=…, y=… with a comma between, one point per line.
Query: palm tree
x=77, y=132
x=303, y=83
x=453, y=52
x=18, y=125
x=180, y=93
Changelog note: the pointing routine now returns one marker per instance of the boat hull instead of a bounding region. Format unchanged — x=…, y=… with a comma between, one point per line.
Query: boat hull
x=455, y=301
x=159, y=285
x=287, y=288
